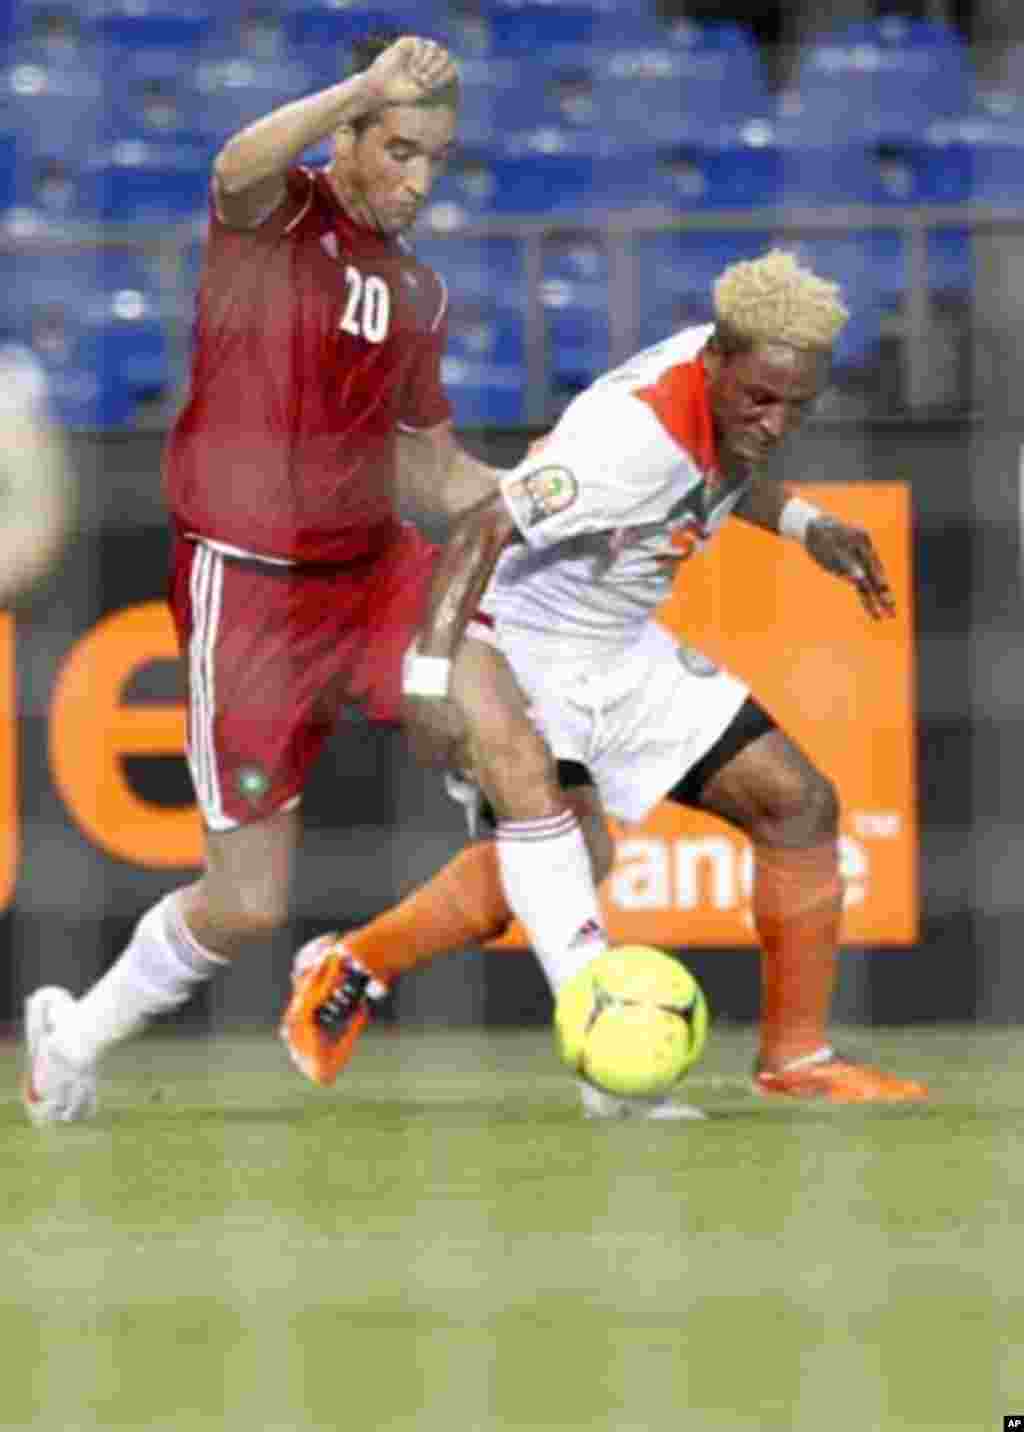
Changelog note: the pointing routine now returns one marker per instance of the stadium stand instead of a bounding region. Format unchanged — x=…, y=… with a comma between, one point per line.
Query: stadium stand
x=623, y=125
x=882, y=79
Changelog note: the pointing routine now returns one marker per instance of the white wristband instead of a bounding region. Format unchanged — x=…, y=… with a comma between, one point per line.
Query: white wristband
x=795, y=518
x=425, y=675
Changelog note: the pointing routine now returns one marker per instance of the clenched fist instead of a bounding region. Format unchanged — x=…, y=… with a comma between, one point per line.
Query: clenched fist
x=408, y=71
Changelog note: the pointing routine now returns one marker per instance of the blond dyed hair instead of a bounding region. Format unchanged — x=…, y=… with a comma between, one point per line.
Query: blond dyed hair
x=773, y=299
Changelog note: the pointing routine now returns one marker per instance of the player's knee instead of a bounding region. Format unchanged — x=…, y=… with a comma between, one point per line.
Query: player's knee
x=802, y=809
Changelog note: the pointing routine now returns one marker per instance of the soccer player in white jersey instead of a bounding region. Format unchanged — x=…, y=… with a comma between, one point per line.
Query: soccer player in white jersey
x=540, y=637
x=36, y=485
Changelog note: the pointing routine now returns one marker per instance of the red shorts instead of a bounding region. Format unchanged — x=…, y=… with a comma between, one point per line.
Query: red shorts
x=275, y=653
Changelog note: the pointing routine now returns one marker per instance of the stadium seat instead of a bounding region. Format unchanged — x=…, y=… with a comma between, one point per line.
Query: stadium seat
x=664, y=95
x=235, y=89
x=524, y=180
x=484, y=369
x=575, y=297
x=487, y=90
x=319, y=25
x=46, y=191
x=465, y=193
x=560, y=98
x=732, y=174
x=46, y=103
x=49, y=31
x=882, y=79
x=484, y=269
x=994, y=157
x=93, y=318
x=521, y=28
x=142, y=181
x=170, y=27
x=158, y=107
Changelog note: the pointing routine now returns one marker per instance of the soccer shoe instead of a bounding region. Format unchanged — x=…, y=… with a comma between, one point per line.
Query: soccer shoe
x=332, y=997
x=599, y=1105
x=828, y=1077
x=53, y=1090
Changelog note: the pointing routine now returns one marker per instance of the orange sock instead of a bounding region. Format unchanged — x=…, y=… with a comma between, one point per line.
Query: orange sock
x=798, y=898
x=463, y=904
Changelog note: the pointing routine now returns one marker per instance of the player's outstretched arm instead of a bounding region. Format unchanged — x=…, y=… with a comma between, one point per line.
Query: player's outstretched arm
x=845, y=551
x=437, y=477
x=248, y=172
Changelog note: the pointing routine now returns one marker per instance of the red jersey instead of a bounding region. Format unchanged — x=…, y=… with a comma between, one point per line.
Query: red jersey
x=315, y=339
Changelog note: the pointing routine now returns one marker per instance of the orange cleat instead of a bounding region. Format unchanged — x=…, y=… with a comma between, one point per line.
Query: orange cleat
x=838, y=1081
x=331, y=1001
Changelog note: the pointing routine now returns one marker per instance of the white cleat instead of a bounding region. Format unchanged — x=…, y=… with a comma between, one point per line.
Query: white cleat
x=599, y=1105
x=54, y=1091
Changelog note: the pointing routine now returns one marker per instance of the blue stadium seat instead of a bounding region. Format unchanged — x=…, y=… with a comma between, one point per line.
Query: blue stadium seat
x=488, y=90
x=559, y=98
x=181, y=27
x=158, y=107
x=484, y=269
x=465, y=193
x=575, y=297
x=525, y=180
x=664, y=95
x=46, y=103
x=320, y=24
x=531, y=28
x=484, y=369
x=235, y=89
x=566, y=180
x=51, y=31
x=142, y=181
x=883, y=79
x=93, y=318
x=994, y=156
x=47, y=191
x=732, y=174
x=674, y=274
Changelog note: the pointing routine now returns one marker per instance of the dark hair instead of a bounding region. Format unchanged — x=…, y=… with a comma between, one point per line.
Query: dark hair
x=367, y=48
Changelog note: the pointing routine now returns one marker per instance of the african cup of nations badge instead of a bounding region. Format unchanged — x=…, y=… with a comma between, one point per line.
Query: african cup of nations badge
x=541, y=494
x=252, y=783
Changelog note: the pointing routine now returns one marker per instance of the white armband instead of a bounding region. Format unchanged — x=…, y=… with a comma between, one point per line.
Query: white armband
x=795, y=518
x=425, y=675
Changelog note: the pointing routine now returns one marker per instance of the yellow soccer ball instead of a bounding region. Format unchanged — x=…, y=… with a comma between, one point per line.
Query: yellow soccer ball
x=632, y=1021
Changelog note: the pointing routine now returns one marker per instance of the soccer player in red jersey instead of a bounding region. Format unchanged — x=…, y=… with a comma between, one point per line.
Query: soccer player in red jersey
x=315, y=407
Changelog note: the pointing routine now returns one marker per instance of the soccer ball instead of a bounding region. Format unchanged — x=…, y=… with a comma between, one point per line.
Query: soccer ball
x=632, y=1021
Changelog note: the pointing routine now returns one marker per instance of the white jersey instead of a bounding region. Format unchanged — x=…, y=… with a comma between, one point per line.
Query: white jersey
x=626, y=486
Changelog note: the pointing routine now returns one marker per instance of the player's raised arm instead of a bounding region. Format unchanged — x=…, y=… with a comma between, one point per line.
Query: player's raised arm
x=249, y=171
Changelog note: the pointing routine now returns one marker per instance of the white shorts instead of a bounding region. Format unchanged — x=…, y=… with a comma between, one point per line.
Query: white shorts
x=639, y=724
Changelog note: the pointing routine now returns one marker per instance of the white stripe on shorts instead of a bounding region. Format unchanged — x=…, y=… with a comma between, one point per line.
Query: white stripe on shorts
x=207, y=584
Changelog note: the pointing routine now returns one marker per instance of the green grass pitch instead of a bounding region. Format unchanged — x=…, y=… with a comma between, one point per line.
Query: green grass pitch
x=441, y=1244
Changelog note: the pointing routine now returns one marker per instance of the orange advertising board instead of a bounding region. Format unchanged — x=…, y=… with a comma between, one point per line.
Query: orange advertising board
x=840, y=684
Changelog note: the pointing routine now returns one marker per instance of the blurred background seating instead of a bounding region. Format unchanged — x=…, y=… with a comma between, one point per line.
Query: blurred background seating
x=640, y=158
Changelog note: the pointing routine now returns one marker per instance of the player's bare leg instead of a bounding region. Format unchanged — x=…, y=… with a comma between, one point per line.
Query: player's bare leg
x=180, y=943
x=790, y=812
x=337, y=979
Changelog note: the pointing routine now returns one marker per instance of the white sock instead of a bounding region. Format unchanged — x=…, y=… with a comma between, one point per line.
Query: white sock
x=159, y=968
x=546, y=872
